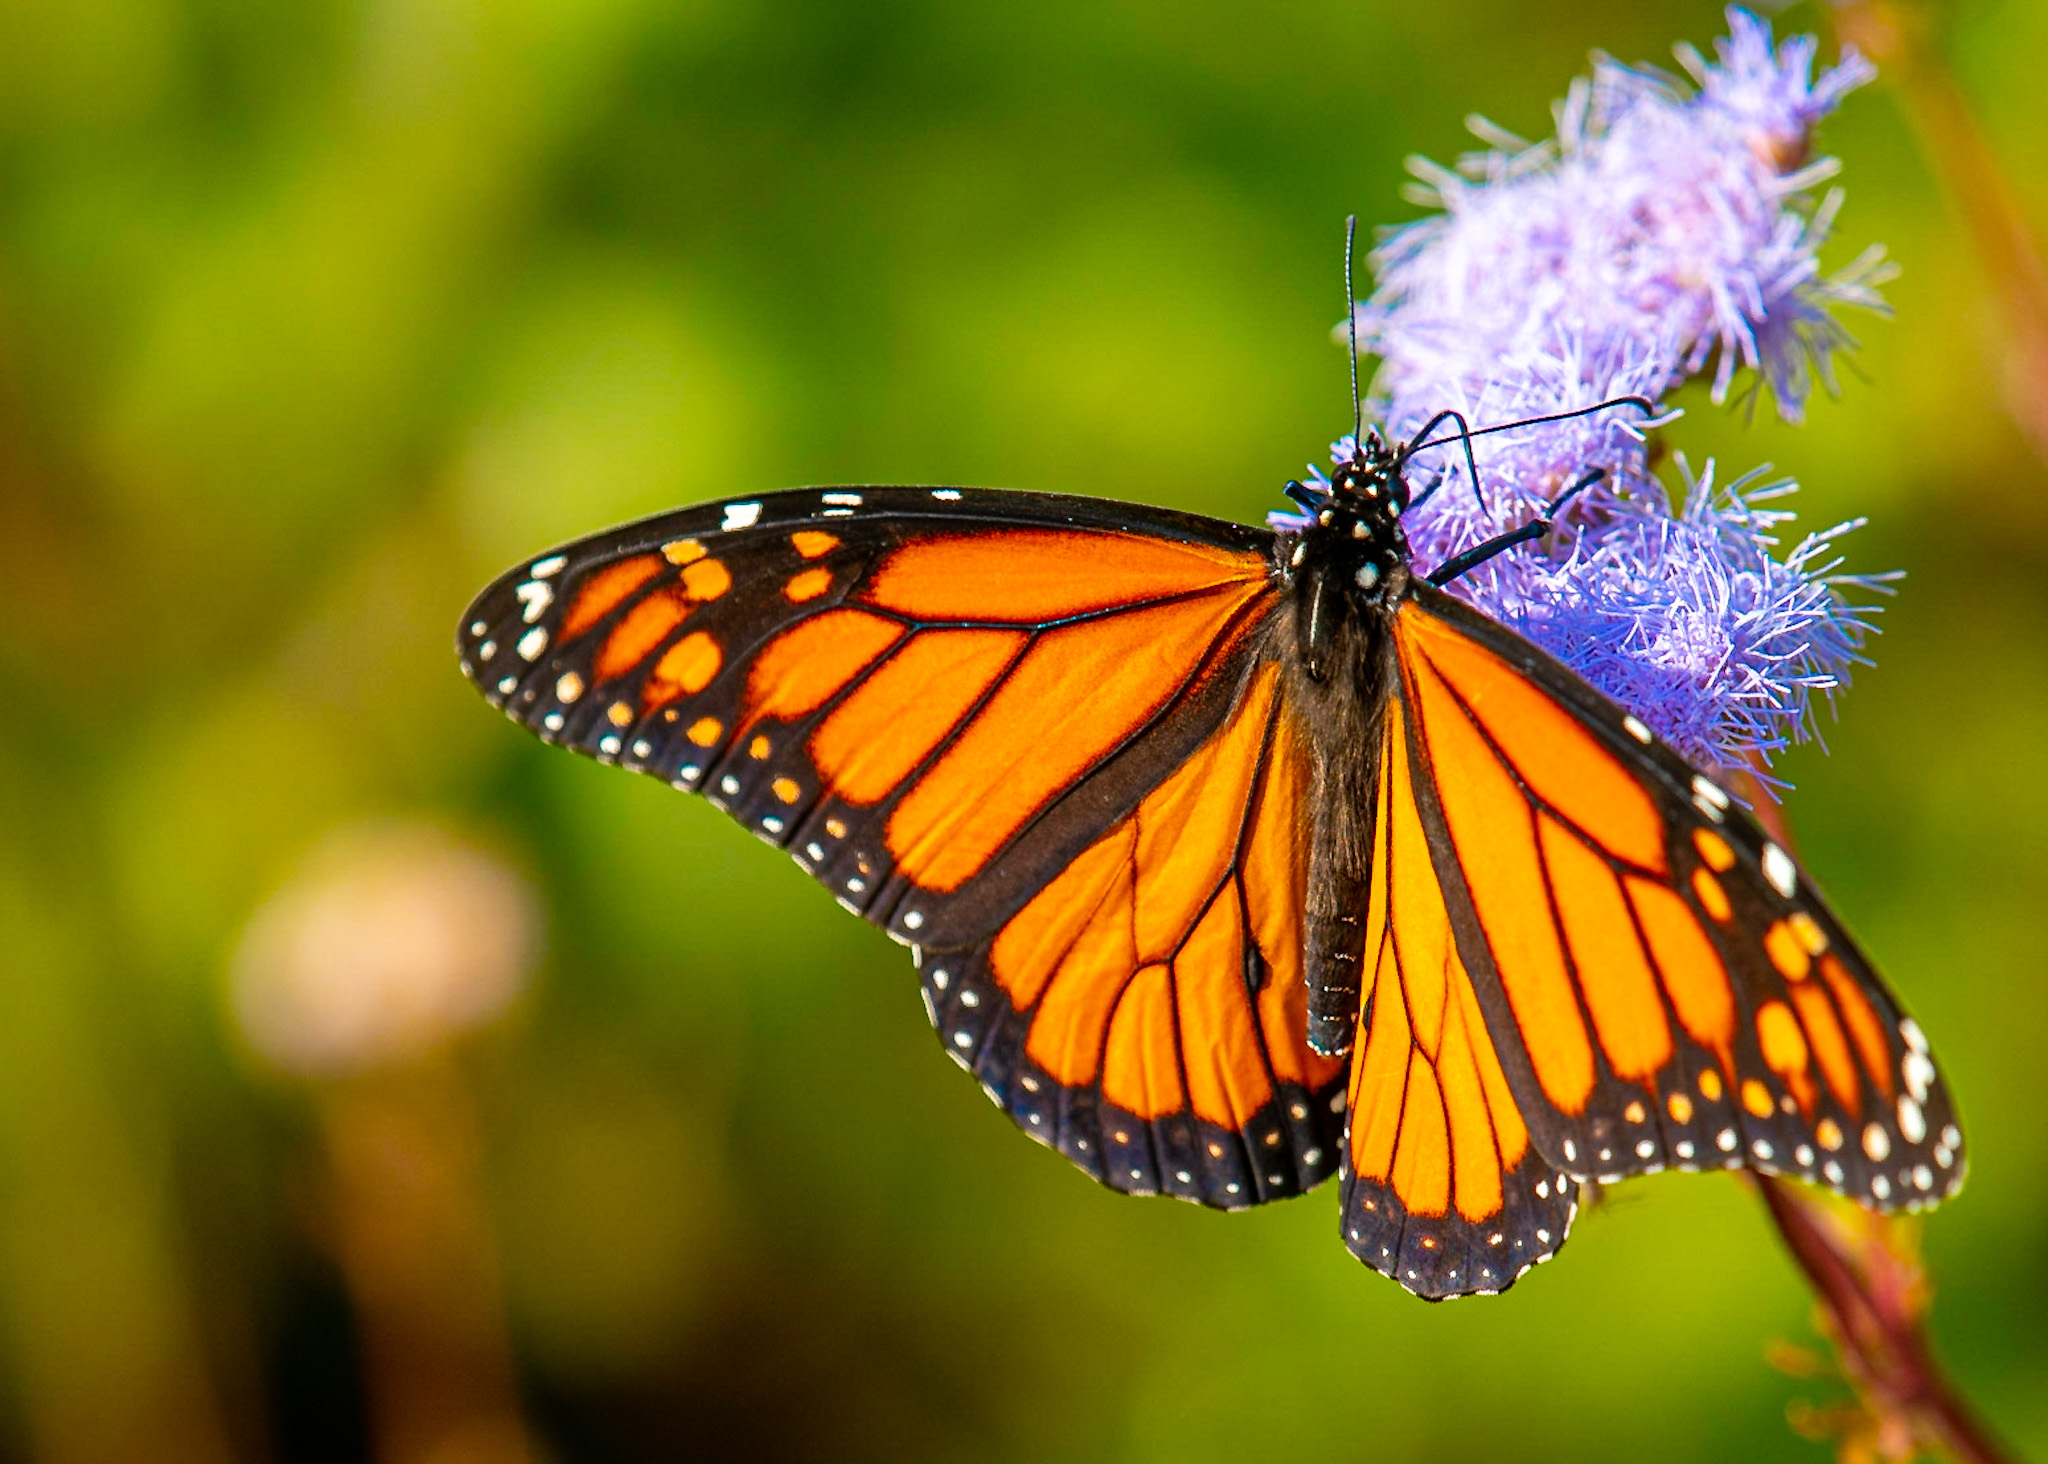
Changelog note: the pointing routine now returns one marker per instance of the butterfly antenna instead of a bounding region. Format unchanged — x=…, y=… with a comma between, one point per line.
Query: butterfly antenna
x=1421, y=441
x=1643, y=404
x=1351, y=321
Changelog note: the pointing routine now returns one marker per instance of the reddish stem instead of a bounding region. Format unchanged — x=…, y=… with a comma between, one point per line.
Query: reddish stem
x=1877, y=1328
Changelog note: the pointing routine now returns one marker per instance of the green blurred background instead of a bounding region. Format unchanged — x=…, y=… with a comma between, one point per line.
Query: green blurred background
x=313, y=316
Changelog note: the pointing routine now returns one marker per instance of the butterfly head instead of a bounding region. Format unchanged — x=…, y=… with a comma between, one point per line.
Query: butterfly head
x=1350, y=560
x=1356, y=535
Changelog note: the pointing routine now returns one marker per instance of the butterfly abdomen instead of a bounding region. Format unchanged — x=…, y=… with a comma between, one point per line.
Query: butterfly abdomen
x=1340, y=690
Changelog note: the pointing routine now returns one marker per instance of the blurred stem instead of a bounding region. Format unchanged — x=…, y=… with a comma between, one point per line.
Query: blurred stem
x=1874, y=1302
x=1873, y=1294
x=1899, y=36
x=410, y=1232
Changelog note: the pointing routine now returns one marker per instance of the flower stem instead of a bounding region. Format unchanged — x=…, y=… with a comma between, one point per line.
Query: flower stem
x=1874, y=1307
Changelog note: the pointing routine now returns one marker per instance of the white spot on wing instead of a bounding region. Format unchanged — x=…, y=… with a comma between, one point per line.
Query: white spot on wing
x=533, y=643
x=740, y=516
x=534, y=599
x=847, y=500
x=551, y=565
x=949, y=495
x=1780, y=870
x=1912, y=1122
x=1636, y=730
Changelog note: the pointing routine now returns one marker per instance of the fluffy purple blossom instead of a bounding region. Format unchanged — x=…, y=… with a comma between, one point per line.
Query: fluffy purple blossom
x=1665, y=232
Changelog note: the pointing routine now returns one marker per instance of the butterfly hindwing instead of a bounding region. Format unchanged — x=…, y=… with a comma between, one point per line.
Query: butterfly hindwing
x=933, y=698
x=1145, y=1012
x=1443, y=1189
x=1664, y=985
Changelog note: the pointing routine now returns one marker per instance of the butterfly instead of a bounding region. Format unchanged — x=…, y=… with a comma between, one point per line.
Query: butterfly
x=1234, y=858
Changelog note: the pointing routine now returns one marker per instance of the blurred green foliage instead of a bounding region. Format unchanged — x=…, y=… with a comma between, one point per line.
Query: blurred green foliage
x=314, y=316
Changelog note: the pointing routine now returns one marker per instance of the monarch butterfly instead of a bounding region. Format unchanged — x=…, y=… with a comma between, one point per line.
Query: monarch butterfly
x=1232, y=858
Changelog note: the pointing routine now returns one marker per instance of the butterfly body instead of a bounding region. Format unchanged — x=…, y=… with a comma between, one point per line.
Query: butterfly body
x=1343, y=575
x=1234, y=859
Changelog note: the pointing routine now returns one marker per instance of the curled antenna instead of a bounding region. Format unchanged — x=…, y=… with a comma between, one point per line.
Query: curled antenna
x=1351, y=320
x=1643, y=404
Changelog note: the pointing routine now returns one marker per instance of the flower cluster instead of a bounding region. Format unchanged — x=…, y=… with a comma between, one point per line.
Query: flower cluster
x=1664, y=232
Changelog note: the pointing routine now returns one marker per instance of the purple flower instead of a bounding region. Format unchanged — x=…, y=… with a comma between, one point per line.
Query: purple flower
x=1661, y=233
x=1683, y=223
x=1689, y=621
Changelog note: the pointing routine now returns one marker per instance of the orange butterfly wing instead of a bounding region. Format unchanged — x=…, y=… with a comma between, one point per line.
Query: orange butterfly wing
x=1661, y=982
x=1028, y=734
x=1145, y=1013
x=1443, y=1189
x=933, y=698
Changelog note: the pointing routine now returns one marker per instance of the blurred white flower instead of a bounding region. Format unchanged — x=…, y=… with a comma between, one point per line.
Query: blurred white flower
x=392, y=938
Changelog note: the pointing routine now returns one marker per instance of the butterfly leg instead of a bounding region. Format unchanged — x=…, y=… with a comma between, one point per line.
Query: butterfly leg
x=1536, y=528
x=1306, y=498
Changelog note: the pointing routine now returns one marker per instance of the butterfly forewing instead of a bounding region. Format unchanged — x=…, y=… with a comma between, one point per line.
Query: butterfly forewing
x=1664, y=984
x=934, y=698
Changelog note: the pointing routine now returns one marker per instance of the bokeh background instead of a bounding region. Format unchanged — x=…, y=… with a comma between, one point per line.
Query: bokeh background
x=313, y=316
